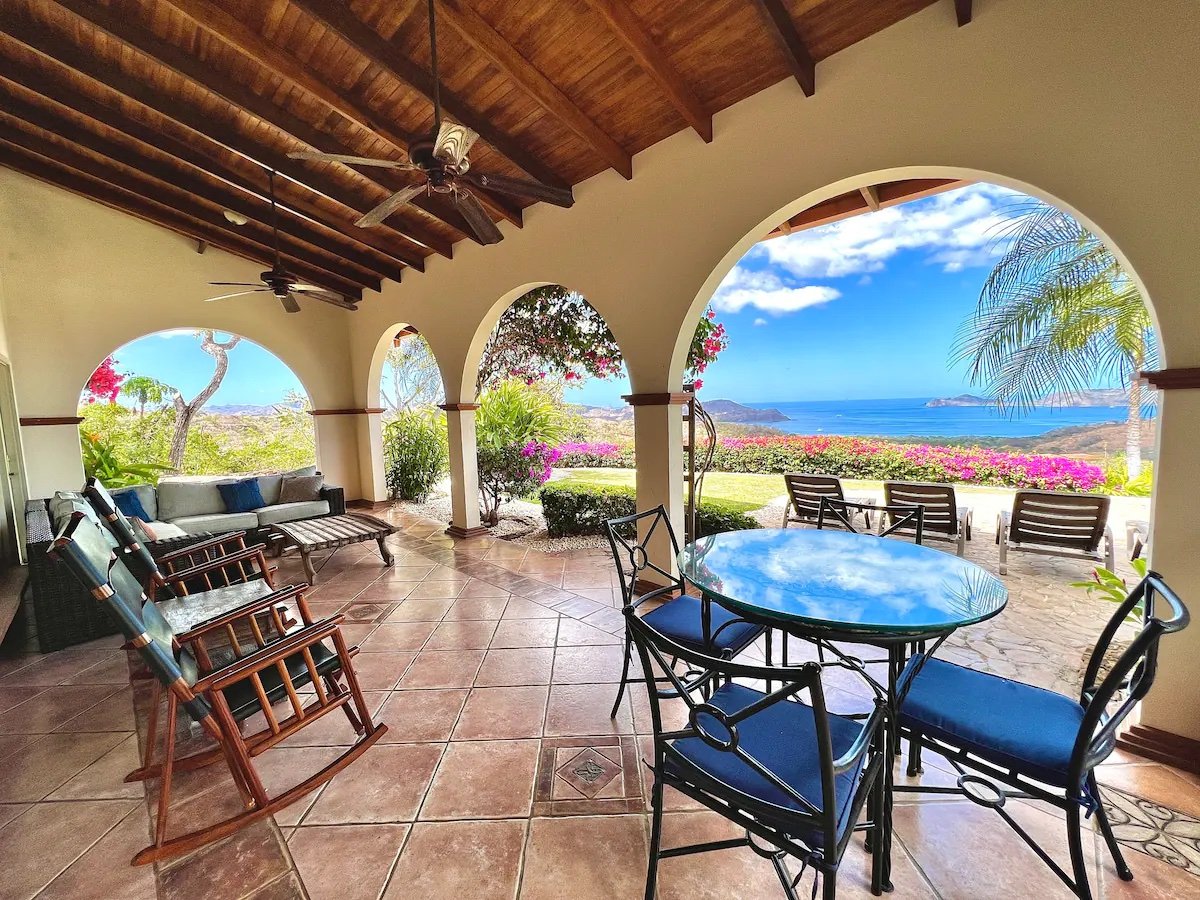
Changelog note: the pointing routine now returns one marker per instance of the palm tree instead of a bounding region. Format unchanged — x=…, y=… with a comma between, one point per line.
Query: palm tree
x=1058, y=314
x=144, y=389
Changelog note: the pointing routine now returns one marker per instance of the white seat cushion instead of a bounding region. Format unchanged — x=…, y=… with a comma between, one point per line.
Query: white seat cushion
x=184, y=497
x=217, y=522
x=291, y=512
x=185, y=613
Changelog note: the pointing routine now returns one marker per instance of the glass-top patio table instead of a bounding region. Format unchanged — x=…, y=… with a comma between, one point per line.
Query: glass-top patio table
x=839, y=586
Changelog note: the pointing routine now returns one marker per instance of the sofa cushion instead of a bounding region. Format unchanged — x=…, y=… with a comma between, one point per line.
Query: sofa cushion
x=182, y=496
x=291, y=512
x=242, y=495
x=65, y=504
x=270, y=484
x=216, y=522
x=149, y=532
x=300, y=488
x=130, y=504
x=146, y=494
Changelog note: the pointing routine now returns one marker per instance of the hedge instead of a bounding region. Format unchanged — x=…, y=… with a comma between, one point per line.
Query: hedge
x=583, y=509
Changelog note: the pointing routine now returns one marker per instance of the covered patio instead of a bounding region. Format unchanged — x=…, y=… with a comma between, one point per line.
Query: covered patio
x=686, y=135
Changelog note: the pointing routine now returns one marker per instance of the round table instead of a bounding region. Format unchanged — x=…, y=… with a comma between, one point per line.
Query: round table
x=837, y=585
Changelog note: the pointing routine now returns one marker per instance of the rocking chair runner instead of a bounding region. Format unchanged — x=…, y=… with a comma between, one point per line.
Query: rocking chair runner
x=222, y=699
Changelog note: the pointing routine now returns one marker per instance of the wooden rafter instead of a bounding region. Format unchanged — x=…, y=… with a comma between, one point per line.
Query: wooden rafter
x=341, y=230
x=157, y=213
x=480, y=35
x=338, y=17
x=625, y=25
x=799, y=60
x=227, y=27
x=290, y=228
x=240, y=96
x=162, y=192
x=870, y=195
x=58, y=50
x=962, y=12
x=854, y=203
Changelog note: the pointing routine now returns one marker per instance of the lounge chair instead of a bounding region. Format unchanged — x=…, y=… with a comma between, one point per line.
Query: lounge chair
x=1137, y=537
x=804, y=498
x=944, y=518
x=1056, y=524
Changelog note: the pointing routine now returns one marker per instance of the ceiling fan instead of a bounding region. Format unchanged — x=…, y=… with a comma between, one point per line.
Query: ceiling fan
x=277, y=280
x=441, y=159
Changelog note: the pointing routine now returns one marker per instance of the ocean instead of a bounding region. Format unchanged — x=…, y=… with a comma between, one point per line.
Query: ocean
x=912, y=418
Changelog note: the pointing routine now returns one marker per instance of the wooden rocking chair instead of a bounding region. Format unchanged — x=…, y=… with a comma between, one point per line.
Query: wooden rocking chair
x=221, y=699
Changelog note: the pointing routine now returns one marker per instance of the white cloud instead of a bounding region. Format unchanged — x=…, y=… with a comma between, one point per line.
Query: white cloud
x=760, y=321
x=956, y=229
x=766, y=291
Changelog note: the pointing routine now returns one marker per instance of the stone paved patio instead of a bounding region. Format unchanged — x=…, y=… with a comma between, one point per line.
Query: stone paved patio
x=502, y=775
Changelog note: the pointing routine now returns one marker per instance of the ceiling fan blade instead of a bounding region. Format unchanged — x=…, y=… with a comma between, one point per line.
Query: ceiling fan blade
x=520, y=187
x=481, y=223
x=453, y=143
x=238, y=294
x=350, y=160
x=390, y=205
x=236, y=283
x=289, y=303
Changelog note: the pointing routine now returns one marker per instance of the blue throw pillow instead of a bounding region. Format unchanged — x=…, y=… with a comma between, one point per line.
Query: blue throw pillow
x=130, y=504
x=241, y=496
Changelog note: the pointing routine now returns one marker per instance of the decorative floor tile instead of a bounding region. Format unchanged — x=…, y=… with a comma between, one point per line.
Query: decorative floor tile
x=1155, y=830
x=587, y=776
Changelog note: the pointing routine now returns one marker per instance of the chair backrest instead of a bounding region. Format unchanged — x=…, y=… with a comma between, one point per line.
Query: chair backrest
x=630, y=537
x=892, y=519
x=82, y=547
x=114, y=520
x=938, y=501
x=805, y=492
x=1073, y=521
x=1132, y=673
x=719, y=729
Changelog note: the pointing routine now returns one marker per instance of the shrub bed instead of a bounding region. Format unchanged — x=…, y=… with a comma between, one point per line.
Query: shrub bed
x=580, y=510
x=875, y=460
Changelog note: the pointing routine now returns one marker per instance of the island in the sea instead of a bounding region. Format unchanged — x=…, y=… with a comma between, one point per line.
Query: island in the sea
x=720, y=410
x=1098, y=397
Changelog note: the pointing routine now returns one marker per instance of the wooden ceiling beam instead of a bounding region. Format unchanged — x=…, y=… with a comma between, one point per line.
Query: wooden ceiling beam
x=237, y=94
x=799, y=60
x=296, y=230
x=152, y=190
x=158, y=214
x=505, y=57
x=56, y=92
x=233, y=31
x=854, y=203
x=625, y=25
x=338, y=18
x=870, y=196
x=963, y=12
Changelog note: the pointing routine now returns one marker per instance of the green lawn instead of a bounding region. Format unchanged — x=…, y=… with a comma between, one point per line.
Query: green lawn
x=741, y=491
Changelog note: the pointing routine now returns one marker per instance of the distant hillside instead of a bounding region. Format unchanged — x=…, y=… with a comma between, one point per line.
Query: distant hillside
x=248, y=409
x=1099, y=397
x=720, y=410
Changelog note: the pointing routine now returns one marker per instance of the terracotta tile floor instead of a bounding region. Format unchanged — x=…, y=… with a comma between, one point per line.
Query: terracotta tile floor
x=502, y=775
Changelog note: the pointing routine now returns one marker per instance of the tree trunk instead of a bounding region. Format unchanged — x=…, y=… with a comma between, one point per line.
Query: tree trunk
x=1133, y=429
x=186, y=412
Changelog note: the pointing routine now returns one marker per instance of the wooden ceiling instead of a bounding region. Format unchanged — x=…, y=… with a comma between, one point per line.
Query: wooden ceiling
x=174, y=110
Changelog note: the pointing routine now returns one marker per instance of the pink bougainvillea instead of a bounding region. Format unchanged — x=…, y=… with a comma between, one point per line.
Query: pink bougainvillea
x=105, y=383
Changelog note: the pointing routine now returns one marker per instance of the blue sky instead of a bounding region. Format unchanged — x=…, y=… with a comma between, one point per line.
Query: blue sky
x=865, y=308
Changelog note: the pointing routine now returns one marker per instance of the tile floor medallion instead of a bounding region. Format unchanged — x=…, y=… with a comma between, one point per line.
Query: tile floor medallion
x=588, y=776
x=1154, y=829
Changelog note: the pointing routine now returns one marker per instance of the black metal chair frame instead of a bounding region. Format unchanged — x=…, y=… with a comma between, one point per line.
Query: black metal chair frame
x=772, y=824
x=634, y=551
x=902, y=516
x=1132, y=674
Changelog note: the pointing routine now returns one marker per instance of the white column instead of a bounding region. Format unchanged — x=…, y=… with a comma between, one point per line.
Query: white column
x=372, y=466
x=464, y=470
x=658, y=442
x=50, y=449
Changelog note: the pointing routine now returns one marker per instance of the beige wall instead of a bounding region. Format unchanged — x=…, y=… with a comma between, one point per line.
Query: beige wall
x=81, y=279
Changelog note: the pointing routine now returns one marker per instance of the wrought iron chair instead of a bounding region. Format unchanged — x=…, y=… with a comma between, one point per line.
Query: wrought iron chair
x=1039, y=743
x=198, y=581
x=221, y=700
x=804, y=497
x=793, y=775
x=1051, y=523
x=943, y=517
x=906, y=519
x=693, y=621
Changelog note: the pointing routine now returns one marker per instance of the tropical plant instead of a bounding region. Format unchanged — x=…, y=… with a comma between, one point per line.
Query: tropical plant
x=1106, y=585
x=415, y=453
x=104, y=383
x=101, y=463
x=143, y=389
x=554, y=333
x=583, y=509
x=1058, y=314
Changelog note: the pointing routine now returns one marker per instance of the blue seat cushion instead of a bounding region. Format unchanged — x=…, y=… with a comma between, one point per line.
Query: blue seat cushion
x=241, y=496
x=130, y=505
x=783, y=738
x=1014, y=725
x=680, y=620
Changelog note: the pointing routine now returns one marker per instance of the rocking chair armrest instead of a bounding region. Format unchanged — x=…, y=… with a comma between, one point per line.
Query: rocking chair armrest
x=253, y=552
x=210, y=543
x=246, y=609
x=269, y=655
x=870, y=731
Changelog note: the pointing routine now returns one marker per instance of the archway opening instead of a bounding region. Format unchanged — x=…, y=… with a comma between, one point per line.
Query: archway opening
x=193, y=402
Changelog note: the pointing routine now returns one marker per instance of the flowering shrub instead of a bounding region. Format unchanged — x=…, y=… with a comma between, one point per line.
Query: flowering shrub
x=104, y=384
x=848, y=457
x=573, y=509
x=542, y=458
